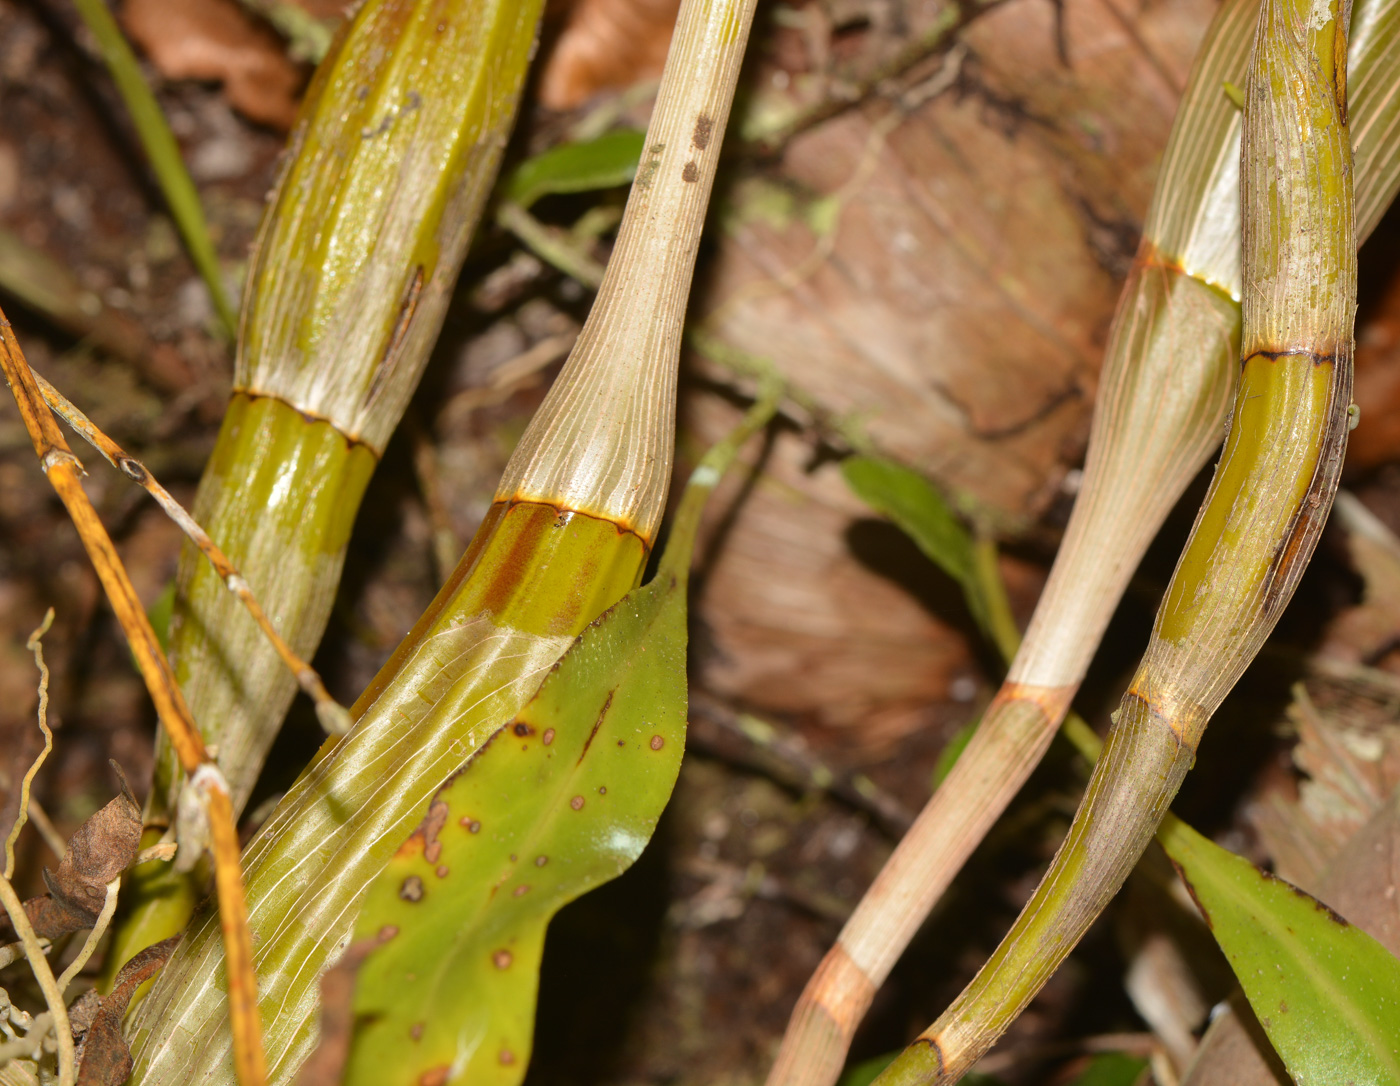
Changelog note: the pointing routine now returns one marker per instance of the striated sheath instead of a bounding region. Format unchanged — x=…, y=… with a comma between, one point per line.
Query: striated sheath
x=1256, y=530
x=389, y=165
x=567, y=537
x=1166, y=383
x=387, y=171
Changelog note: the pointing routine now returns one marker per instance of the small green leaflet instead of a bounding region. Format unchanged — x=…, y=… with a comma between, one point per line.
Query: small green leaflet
x=1112, y=1069
x=918, y=510
x=865, y=1072
x=561, y=799
x=1326, y=993
x=910, y=500
x=602, y=163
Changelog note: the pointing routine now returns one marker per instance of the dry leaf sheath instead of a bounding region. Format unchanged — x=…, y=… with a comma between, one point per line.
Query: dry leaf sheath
x=1255, y=533
x=392, y=158
x=568, y=535
x=1166, y=385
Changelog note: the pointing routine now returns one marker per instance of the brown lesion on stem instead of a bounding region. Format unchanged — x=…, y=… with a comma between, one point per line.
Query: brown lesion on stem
x=1319, y=358
x=408, y=306
x=1157, y=706
x=351, y=440
x=840, y=990
x=937, y=1051
x=1051, y=701
x=563, y=513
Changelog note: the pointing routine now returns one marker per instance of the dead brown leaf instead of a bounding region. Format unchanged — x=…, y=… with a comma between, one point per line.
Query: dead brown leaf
x=800, y=614
x=1364, y=633
x=603, y=45
x=218, y=40
x=102, y=849
x=946, y=270
x=103, y=1057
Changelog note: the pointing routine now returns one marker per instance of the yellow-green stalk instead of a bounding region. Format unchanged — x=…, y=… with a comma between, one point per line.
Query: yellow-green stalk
x=1167, y=380
x=574, y=517
x=1255, y=533
x=390, y=163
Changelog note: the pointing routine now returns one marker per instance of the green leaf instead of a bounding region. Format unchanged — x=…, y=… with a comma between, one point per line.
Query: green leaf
x=866, y=1072
x=560, y=800
x=1112, y=1069
x=910, y=500
x=1326, y=993
x=602, y=163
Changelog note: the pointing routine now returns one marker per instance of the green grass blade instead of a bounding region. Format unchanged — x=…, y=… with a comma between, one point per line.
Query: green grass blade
x=1326, y=993
x=163, y=152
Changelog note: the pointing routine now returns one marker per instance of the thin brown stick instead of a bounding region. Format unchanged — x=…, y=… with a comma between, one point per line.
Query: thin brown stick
x=206, y=782
x=333, y=716
x=22, y=815
x=34, y=951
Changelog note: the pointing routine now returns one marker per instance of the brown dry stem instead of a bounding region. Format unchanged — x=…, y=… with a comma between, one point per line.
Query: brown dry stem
x=64, y=471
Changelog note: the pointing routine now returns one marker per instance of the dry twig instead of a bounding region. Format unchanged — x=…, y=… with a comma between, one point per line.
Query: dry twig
x=205, y=787
x=332, y=715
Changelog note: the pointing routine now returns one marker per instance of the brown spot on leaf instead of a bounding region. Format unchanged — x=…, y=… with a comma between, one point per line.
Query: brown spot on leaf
x=416, y=1031
x=431, y=827
x=540, y=861
x=441, y=871
x=507, y=1057
x=547, y=737
x=387, y=932
x=472, y=825
x=602, y=789
x=412, y=889
x=576, y=803
x=521, y=890
x=502, y=959
x=522, y=729
x=436, y=1076
x=657, y=742
x=690, y=173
